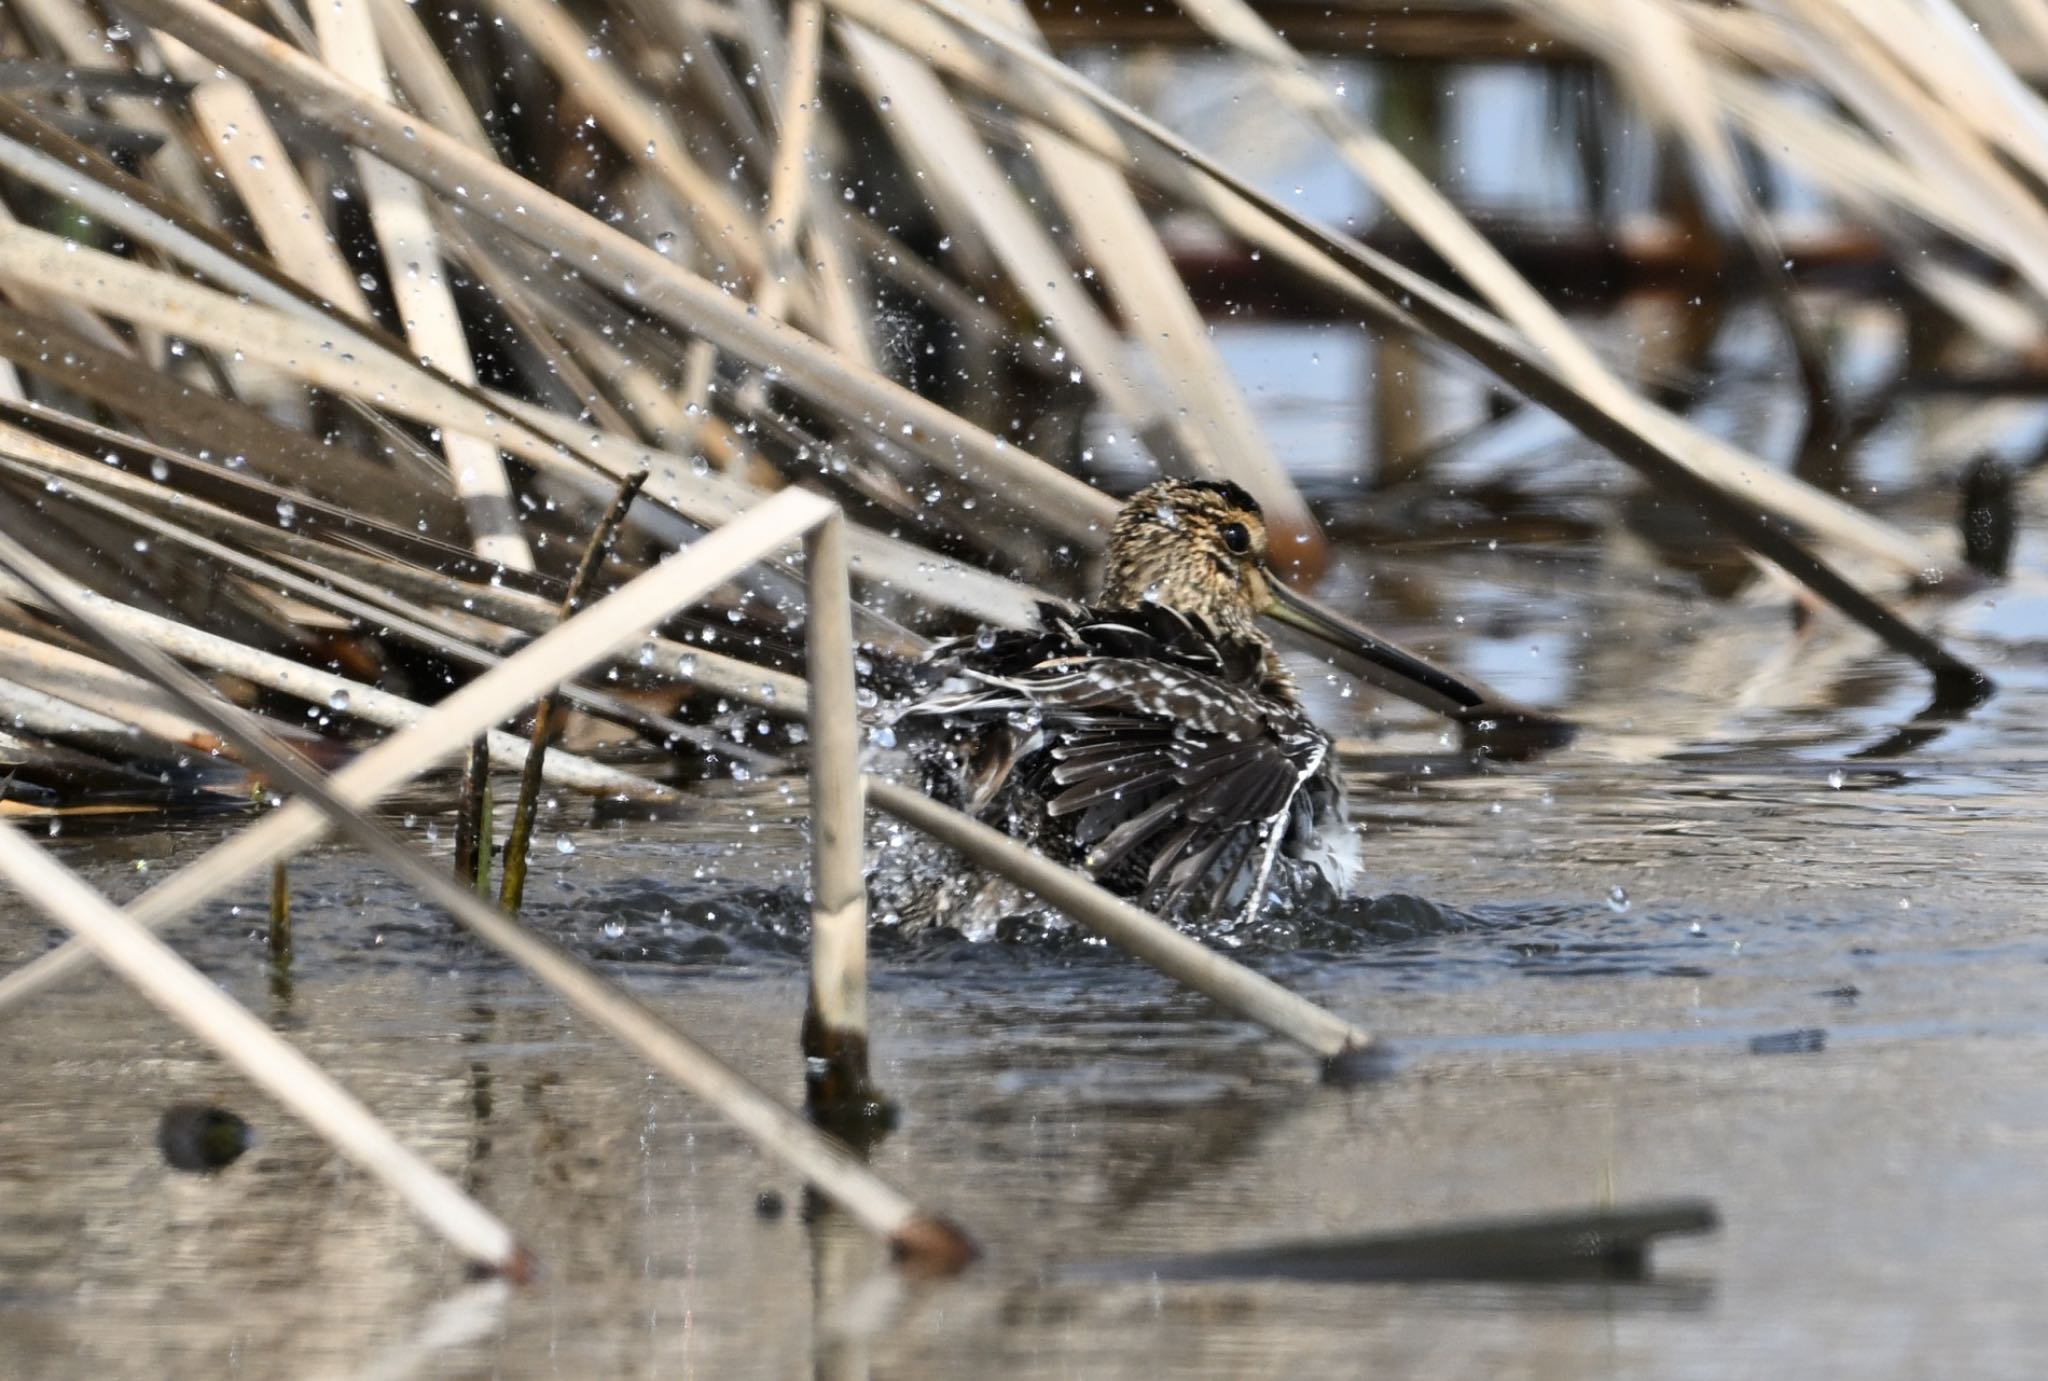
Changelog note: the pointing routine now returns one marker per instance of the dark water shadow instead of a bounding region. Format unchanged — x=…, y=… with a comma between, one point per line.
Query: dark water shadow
x=1953, y=702
x=1610, y=1244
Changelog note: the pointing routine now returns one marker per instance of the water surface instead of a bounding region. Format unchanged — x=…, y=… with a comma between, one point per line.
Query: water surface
x=1734, y=943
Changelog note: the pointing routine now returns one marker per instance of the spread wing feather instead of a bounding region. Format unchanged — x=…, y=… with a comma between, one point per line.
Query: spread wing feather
x=1148, y=739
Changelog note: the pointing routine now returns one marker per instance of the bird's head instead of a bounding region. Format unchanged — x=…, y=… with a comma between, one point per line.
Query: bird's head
x=1194, y=546
x=1199, y=547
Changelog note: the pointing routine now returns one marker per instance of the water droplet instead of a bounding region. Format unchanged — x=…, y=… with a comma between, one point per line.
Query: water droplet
x=613, y=929
x=1837, y=778
x=1617, y=899
x=564, y=844
x=338, y=700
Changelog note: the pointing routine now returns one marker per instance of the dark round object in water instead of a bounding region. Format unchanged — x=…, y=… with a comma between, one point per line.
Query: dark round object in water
x=768, y=1205
x=201, y=1138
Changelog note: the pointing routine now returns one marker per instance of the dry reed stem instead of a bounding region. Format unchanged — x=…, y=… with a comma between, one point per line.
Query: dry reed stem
x=79, y=34
x=1842, y=55
x=723, y=228
x=416, y=276
x=791, y=219
x=1682, y=97
x=430, y=88
x=966, y=183
x=25, y=709
x=336, y=355
x=710, y=499
x=483, y=188
x=428, y=398
x=1213, y=428
x=1431, y=215
x=341, y=694
x=91, y=684
x=1949, y=55
x=255, y=162
x=524, y=810
x=787, y=208
x=1612, y=418
x=444, y=729
x=451, y=630
x=835, y=1033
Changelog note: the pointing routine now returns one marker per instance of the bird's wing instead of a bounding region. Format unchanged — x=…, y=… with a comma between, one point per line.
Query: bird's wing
x=1187, y=775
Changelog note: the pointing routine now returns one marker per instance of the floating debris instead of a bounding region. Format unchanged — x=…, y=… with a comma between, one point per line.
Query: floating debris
x=201, y=1138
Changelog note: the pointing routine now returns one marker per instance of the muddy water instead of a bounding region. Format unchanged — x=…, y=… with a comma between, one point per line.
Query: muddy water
x=1732, y=944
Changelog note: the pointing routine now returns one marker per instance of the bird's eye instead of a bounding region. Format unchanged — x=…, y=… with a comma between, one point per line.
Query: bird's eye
x=1237, y=538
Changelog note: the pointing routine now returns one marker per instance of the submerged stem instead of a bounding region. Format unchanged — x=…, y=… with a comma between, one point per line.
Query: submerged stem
x=513, y=885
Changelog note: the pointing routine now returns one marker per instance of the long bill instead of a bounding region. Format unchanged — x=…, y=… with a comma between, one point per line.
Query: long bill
x=1488, y=719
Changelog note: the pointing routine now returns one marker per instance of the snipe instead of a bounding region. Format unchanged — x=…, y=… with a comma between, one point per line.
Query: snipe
x=1154, y=738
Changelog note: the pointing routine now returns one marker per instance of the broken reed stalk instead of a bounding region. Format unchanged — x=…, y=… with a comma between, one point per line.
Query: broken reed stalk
x=837, y=1088
x=915, y=1236
x=512, y=887
x=473, y=820
x=273, y=1064
x=1185, y=960
x=281, y=929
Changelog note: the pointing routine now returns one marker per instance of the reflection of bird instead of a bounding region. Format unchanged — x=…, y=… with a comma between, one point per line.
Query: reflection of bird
x=1153, y=738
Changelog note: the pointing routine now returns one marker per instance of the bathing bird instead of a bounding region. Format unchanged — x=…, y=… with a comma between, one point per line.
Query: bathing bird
x=1154, y=738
